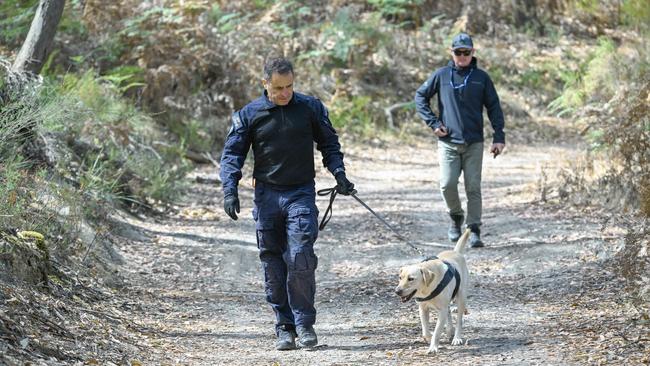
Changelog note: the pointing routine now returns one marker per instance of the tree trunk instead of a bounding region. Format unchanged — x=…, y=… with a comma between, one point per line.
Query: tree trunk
x=38, y=43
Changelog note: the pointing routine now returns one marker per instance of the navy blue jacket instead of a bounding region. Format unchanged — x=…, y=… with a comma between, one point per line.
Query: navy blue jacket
x=283, y=139
x=460, y=105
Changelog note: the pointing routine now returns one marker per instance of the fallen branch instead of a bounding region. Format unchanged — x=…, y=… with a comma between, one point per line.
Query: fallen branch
x=201, y=157
x=388, y=111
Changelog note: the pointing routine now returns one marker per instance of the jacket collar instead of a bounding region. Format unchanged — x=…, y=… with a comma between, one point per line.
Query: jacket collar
x=267, y=104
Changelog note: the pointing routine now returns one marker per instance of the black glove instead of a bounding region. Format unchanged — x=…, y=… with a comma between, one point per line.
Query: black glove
x=343, y=185
x=231, y=205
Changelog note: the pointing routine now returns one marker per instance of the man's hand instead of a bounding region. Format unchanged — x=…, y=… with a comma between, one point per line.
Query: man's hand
x=231, y=205
x=441, y=131
x=497, y=148
x=343, y=185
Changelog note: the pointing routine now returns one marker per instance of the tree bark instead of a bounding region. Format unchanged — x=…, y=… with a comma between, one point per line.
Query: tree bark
x=38, y=43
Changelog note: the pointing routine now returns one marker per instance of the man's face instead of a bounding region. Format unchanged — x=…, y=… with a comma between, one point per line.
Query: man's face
x=279, y=88
x=462, y=56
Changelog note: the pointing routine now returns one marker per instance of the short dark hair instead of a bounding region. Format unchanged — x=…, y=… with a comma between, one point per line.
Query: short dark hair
x=278, y=65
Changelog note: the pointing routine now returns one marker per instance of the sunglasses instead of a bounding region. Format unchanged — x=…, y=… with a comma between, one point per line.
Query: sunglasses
x=462, y=52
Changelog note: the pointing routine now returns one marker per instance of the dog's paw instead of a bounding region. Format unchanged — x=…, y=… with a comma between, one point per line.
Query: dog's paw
x=456, y=341
x=432, y=350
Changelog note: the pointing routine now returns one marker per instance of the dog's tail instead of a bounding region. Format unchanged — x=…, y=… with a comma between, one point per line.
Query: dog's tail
x=460, y=244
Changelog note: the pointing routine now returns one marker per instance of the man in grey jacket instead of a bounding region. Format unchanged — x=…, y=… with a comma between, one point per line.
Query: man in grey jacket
x=462, y=91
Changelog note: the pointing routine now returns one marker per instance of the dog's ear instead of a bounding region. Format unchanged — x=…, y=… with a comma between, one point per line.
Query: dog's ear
x=427, y=276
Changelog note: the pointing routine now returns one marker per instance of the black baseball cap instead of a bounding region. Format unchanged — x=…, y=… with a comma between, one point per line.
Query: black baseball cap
x=462, y=40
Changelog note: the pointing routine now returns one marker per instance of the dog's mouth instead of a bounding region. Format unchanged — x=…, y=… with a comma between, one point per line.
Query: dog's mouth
x=408, y=297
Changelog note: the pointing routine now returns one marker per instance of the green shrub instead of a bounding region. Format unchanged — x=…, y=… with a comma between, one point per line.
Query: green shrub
x=636, y=13
x=114, y=143
x=597, y=79
x=196, y=135
x=346, y=42
x=394, y=7
x=353, y=114
x=16, y=19
x=12, y=194
x=123, y=78
x=601, y=77
x=614, y=83
x=71, y=22
x=225, y=22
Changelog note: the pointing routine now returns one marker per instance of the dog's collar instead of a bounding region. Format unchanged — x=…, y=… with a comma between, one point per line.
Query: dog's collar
x=451, y=273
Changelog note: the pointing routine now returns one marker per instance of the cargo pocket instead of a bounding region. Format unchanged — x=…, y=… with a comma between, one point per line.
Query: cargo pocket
x=264, y=230
x=303, y=229
x=304, y=225
x=305, y=260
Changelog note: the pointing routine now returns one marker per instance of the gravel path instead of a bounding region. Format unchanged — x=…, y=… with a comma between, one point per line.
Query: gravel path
x=196, y=284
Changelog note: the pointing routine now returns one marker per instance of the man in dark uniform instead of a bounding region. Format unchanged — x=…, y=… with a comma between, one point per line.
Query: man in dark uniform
x=462, y=90
x=282, y=127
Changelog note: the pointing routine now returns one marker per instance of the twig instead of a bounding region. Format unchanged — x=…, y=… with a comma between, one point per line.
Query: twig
x=92, y=244
x=146, y=147
x=100, y=313
x=211, y=159
x=388, y=111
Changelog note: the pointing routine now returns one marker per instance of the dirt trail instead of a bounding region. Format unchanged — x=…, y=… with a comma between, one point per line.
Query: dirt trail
x=196, y=284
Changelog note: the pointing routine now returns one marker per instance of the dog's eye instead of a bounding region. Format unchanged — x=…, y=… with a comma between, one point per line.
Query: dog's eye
x=410, y=279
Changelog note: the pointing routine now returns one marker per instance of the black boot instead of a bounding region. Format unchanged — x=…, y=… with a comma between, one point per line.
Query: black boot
x=306, y=336
x=475, y=237
x=286, y=338
x=454, y=227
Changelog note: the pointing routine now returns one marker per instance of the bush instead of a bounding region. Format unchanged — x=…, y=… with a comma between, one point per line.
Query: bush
x=636, y=13
x=635, y=260
x=91, y=136
x=407, y=12
x=609, y=96
x=596, y=79
x=347, y=42
x=12, y=189
x=117, y=149
x=353, y=114
x=16, y=19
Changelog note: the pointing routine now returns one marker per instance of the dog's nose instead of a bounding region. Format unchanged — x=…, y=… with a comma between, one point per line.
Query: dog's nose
x=398, y=291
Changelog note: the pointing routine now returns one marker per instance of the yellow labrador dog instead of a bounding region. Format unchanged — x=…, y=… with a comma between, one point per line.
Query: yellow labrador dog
x=435, y=283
